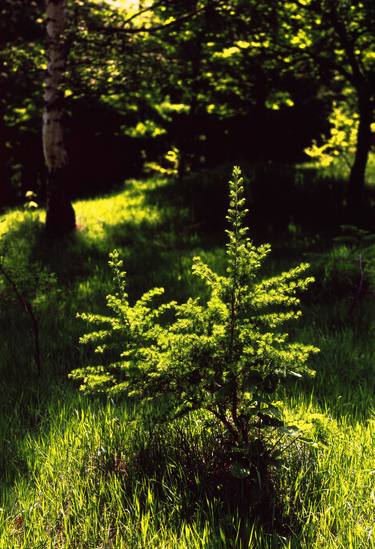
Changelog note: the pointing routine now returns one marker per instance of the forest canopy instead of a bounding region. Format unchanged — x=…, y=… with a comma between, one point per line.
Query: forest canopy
x=187, y=86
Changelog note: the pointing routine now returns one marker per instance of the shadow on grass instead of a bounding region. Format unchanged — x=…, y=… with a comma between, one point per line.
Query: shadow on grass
x=157, y=247
x=283, y=199
x=157, y=251
x=344, y=384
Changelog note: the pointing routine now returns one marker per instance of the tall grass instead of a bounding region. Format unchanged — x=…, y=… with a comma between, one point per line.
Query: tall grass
x=77, y=472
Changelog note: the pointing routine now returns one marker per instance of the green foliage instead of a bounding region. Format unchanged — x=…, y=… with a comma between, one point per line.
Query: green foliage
x=341, y=141
x=31, y=277
x=24, y=285
x=348, y=270
x=225, y=354
x=171, y=158
x=74, y=472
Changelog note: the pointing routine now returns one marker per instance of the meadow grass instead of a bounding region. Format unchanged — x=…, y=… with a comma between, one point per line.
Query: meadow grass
x=81, y=472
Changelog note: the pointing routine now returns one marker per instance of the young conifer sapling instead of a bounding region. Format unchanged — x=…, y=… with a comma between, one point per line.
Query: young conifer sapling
x=225, y=354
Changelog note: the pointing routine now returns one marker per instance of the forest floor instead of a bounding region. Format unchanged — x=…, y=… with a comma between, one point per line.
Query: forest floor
x=79, y=472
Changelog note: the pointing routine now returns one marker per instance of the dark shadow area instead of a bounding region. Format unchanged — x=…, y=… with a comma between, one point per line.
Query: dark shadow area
x=102, y=153
x=191, y=461
x=284, y=201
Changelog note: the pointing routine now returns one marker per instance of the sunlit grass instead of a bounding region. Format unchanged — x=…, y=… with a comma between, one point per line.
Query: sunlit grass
x=71, y=476
x=95, y=216
x=80, y=490
x=340, y=168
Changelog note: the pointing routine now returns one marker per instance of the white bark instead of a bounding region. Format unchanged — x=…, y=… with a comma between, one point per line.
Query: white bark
x=55, y=154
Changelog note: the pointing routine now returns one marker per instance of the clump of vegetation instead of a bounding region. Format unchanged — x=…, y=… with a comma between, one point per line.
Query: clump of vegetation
x=77, y=473
x=225, y=355
x=348, y=269
x=341, y=142
x=24, y=287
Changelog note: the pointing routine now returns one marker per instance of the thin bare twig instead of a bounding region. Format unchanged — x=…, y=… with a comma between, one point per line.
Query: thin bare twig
x=360, y=284
x=27, y=307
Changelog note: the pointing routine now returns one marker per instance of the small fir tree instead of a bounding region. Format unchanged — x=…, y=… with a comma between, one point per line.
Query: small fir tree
x=225, y=354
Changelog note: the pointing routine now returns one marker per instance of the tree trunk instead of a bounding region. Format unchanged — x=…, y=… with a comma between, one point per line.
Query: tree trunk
x=60, y=214
x=358, y=171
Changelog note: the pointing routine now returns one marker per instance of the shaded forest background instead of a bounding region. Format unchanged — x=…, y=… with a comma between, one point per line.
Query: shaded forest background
x=181, y=87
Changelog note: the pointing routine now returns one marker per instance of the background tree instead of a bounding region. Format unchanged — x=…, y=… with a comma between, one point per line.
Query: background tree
x=60, y=212
x=194, y=77
x=337, y=37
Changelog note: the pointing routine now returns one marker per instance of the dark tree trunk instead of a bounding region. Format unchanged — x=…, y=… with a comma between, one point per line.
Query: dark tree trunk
x=357, y=177
x=60, y=217
x=260, y=95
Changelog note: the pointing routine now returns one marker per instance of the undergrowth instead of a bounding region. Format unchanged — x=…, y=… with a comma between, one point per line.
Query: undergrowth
x=82, y=473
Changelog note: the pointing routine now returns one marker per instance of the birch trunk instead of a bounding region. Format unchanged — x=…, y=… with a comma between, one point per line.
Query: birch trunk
x=60, y=214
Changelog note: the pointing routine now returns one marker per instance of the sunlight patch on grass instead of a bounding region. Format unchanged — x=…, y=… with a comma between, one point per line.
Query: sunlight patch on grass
x=95, y=215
